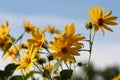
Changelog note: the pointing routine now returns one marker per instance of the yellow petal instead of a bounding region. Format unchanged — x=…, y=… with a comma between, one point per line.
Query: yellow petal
x=102, y=13
x=109, y=29
x=98, y=10
x=72, y=28
x=111, y=23
x=110, y=18
x=6, y=24
x=102, y=29
x=6, y=56
x=93, y=10
x=96, y=28
x=90, y=20
x=72, y=59
x=108, y=14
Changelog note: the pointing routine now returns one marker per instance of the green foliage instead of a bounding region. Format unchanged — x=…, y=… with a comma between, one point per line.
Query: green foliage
x=66, y=74
x=46, y=74
x=1, y=74
x=8, y=71
x=20, y=37
x=30, y=74
x=18, y=77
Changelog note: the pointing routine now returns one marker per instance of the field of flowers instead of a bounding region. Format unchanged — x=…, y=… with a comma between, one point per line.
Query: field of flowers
x=52, y=59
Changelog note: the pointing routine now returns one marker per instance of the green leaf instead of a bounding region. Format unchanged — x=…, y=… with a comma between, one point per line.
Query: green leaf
x=46, y=74
x=56, y=66
x=66, y=74
x=7, y=48
x=1, y=75
x=12, y=38
x=9, y=69
x=31, y=74
x=18, y=77
x=20, y=37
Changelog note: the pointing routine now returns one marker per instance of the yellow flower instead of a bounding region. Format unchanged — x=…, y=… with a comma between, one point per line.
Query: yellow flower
x=66, y=45
x=37, y=38
x=13, y=50
x=27, y=60
x=48, y=67
x=28, y=26
x=116, y=77
x=4, y=42
x=4, y=30
x=100, y=20
x=51, y=29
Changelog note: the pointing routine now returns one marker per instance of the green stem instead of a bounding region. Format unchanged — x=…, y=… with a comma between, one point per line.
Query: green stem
x=43, y=66
x=91, y=38
x=61, y=67
x=67, y=66
x=74, y=72
x=38, y=68
x=70, y=65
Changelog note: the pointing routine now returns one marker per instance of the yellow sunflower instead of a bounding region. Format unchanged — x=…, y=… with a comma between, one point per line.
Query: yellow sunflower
x=4, y=30
x=28, y=26
x=66, y=45
x=51, y=29
x=116, y=77
x=4, y=42
x=100, y=20
x=12, y=52
x=27, y=60
x=37, y=38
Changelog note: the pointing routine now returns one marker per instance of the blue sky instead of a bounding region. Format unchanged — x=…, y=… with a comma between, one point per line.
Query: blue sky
x=63, y=8
x=60, y=12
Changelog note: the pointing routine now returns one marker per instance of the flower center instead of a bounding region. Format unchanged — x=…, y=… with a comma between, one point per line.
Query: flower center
x=27, y=60
x=100, y=21
x=28, y=29
x=2, y=44
x=3, y=33
x=64, y=50
x=38, y=44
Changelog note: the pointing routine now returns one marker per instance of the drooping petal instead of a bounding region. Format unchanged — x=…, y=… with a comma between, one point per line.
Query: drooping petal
x=102, y=29
x=109, y=29
x=96, y=28
x=111, y=23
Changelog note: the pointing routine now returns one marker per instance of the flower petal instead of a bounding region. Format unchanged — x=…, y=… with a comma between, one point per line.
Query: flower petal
x=109, y=29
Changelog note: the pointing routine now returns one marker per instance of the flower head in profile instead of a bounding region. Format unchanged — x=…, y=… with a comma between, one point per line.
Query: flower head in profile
x=48, y=67
x=101, y=20
x=4, y=42
x=28, y=26
x=4, y=30
x=51, y=29
x=12, y=52
x=66, y=45
x=27, y=60
x=116, y=77
x=37, y=39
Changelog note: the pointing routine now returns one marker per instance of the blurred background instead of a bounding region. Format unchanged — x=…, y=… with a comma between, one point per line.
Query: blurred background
x=106, y=50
